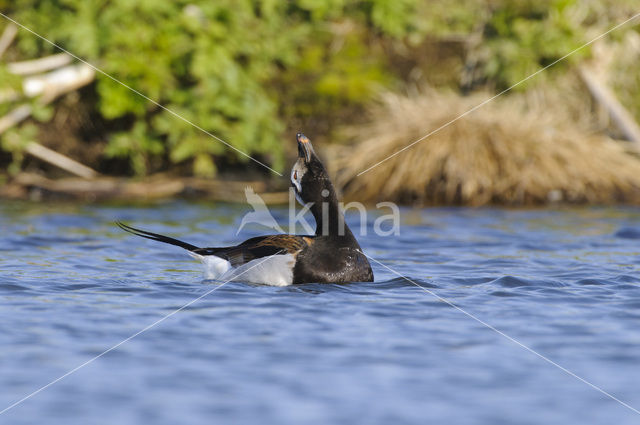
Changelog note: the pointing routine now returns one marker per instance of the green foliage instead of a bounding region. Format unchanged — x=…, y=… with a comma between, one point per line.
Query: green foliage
x=212, y=63
x=136, y=145
x=41, y=113
x=441, y=18
x=524, y=36
x=246, y=70
x=14, y=141
x=332, y=79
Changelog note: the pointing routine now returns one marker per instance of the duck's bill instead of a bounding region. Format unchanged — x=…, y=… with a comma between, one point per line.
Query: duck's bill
x=305, y=150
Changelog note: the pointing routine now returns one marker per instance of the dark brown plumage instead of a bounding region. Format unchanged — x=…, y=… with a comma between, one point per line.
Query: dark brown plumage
x=332, y=255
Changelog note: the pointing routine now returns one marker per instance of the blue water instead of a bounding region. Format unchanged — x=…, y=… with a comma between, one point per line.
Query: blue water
x=564, y=283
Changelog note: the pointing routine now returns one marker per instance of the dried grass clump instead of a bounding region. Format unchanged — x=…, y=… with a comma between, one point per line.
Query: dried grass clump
x=512, y=151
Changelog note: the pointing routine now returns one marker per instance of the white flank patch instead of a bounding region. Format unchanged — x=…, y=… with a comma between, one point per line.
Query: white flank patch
x=276, y=270
x=214, y=267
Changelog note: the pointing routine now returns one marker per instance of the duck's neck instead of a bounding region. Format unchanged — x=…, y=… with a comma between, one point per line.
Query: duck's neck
x=329, y=218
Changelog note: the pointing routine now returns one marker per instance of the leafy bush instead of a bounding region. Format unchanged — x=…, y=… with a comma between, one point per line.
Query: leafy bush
x=247, y=70
x=216, y=64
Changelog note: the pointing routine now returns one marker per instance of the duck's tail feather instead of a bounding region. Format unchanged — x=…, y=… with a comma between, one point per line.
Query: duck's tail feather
x=156, y=237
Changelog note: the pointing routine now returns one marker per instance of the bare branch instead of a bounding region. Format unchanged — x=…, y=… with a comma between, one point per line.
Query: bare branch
x=15, y=116
x=35, y=66
x=619, y=115
x=60, y=161
x=7, y=37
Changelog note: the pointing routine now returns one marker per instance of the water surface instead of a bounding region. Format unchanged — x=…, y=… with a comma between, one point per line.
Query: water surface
x=564, y=283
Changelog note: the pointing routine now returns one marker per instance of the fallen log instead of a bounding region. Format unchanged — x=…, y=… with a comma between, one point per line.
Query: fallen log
x=36, y=187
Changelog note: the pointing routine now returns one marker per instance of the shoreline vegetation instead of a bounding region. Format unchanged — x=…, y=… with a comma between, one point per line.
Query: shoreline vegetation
x=363, y=79
x=517, y=150
x=35, y=187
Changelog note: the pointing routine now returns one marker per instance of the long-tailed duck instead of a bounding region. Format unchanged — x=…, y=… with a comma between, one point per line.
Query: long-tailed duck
x=332, y=255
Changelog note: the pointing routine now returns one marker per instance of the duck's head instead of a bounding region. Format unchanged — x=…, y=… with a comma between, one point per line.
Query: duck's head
x=309, y=178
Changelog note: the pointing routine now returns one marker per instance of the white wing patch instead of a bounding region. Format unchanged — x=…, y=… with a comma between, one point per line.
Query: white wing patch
x=276, y=270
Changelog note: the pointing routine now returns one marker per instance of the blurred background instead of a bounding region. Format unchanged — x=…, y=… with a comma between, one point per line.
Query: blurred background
x=362, y=79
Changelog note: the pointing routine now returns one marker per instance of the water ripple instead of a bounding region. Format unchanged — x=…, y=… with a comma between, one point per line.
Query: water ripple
x=565, y=283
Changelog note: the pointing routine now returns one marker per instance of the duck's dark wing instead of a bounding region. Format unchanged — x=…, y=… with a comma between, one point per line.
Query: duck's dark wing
x=258, y=247
x=251, y=249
